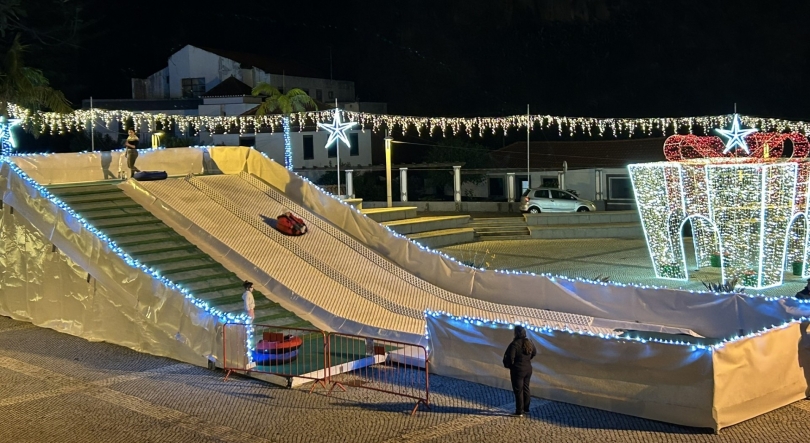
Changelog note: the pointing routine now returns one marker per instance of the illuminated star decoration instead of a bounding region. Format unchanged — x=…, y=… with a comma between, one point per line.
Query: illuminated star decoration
x=337, y=130
x=6, y=137
x=736, y=136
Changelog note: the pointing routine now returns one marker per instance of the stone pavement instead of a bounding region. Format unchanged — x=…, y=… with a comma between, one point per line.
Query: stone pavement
x=59, y=388
x=623, y=260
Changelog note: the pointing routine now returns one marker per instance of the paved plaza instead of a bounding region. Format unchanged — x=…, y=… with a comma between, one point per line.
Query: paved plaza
x=622, y=260
x=59, y=388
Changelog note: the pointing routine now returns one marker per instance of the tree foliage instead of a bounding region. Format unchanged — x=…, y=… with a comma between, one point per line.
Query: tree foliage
x=294, y=100
x=26, y=86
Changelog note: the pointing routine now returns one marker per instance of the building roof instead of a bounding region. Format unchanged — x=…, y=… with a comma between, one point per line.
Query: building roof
x=581, y=154
x=320, y=106
x=270, y=65
x=230, y=87
x=130, y=104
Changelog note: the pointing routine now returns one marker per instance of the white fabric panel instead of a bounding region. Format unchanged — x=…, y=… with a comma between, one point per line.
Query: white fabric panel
x=669, y=383
x=54, y=169
x=120, y=304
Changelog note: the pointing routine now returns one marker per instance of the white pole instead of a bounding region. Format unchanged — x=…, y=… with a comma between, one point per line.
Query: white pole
x=528, y=130
x=92, y=127
x=337, y=148
x=388, y=140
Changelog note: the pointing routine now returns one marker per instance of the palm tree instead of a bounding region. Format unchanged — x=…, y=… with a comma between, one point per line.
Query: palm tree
x=25, y=87
x=295, y=100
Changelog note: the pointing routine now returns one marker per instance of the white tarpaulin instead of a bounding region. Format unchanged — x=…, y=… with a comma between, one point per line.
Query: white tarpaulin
x=58, y=274
x=711, y=388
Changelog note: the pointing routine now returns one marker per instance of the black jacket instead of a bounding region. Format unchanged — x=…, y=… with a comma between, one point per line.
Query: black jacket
x=515, y=359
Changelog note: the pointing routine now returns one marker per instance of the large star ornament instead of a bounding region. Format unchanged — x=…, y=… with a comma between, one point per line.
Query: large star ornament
x=736, y=136
x=337, y=130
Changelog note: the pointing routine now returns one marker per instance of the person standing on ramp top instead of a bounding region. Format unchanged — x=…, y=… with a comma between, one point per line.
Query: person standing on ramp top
x=132, y=152
x=518, y=358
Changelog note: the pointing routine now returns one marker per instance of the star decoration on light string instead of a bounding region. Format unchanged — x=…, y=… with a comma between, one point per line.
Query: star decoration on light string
x=7, y=142
x=337, y=130
x=736, y=136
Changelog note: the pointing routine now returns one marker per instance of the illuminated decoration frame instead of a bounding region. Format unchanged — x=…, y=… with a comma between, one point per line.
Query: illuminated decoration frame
x=7, y=142
x=337, y=132
x=736, y=136
x=55, y=123
x=749, y=212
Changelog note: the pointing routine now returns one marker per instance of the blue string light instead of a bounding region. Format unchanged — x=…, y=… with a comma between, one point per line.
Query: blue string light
x=497, y=323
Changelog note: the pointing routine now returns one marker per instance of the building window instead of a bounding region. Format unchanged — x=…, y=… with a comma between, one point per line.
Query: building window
x=619, y=187
x=309, y=148
x=331, y=95
x=495, y=187
x=247, y=141
x=319, y=95
x=193, y=87
x=354, y=140
x=331, y=151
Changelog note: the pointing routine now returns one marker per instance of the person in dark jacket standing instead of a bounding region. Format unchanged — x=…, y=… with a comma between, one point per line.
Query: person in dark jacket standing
x=518, y=358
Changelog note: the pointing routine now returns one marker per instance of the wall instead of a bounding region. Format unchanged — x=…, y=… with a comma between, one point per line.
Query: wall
x=343, y=90
x=272, y=144
x=191, y=62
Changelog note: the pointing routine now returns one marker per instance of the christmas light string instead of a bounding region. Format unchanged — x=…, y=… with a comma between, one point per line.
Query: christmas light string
x=79, y=120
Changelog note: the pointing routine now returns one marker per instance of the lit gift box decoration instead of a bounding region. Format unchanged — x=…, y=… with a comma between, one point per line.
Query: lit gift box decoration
x=746, y=201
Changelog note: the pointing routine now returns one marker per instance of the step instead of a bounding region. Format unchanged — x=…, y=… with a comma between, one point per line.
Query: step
x=570, y=218
x=497, y=230
x=114, y=213
x=444, y=237
x=596, y=230
x=425, y=224
x=389, y=214
x=524, y=233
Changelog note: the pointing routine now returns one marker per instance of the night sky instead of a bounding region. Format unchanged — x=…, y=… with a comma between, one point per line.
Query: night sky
x=601, y=58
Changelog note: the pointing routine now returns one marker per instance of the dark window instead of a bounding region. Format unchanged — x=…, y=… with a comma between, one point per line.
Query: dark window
x=193, y=87
x=354, y=140
x=549, y=182
x=619, y=187
x=319, y=95
x=247, y=141
x=495, y=187
x=561, y=195
x=309, y=148
x=331, y=151
x=543, y=193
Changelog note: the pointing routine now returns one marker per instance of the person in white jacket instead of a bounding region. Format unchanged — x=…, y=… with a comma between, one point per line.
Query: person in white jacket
x=250, y=304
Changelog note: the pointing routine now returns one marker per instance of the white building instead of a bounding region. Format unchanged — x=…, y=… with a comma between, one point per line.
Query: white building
x=214, y=82
x=192, y=71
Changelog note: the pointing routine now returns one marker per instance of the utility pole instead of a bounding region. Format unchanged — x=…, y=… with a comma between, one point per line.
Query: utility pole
x=528, y=140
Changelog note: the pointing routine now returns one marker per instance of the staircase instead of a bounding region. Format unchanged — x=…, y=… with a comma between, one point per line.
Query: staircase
x=150, y=241
x=500, y=228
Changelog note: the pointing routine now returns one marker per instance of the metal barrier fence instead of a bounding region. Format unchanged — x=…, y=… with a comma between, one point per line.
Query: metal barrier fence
x=340, y=359
x=285, y=352
x=380, y=365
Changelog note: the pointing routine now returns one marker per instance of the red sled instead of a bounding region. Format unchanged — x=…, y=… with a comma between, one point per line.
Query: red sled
x=290, y=224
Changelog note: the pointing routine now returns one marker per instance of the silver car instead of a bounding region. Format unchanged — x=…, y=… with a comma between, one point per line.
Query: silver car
x=536, y=200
